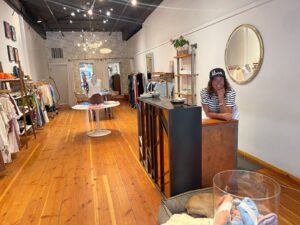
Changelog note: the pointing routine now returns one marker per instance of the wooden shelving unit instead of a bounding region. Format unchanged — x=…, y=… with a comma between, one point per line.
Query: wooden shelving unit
x=24, y=99
x=188, y=78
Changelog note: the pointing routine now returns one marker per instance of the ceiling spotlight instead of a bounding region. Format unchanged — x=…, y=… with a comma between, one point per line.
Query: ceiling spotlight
x=111, y=9
x=108, y=13
x=65, y=8
x=133, y=2
x=84, y=15
x=84, y=49
x=104, y=21
x=78, y=10
x=72, y=14
x=105, y=40
x=39, y=21
x=80, y=35
x=93, y=52
x=78, y=44
x=90, y=12
x=100, y=10
x=71, y=21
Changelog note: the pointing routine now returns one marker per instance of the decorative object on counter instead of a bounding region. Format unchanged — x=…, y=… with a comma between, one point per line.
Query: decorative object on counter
x=10, y=52
x=244, y=41
x=245, y=198
x=181, y=45
x=155, y=94
x=16, y=54
x=13, y=33
x=146, y=95
x=178, y=101
x=7, y=30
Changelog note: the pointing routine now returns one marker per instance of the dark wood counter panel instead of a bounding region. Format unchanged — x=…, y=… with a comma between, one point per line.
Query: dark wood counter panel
x=170, y=144
x=179, y=151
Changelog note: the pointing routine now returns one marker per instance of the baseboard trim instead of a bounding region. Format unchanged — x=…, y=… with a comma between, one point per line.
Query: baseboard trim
x=267, y=165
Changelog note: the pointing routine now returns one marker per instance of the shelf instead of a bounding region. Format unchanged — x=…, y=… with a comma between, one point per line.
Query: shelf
x=185, y=94
x=8, y=80
x=183, y=75
x=183, y=56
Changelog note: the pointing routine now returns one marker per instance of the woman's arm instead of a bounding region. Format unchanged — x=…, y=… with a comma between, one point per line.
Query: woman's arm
x=220, y=116
x=223, y=107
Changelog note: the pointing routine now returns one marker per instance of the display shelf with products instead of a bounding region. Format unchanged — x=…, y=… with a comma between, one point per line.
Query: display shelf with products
x=19, y=90
x=185, y=77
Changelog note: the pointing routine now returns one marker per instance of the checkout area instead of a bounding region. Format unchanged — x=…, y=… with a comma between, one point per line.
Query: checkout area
x=181, y=151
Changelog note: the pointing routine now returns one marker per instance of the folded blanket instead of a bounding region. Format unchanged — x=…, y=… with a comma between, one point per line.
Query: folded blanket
x=184, y=219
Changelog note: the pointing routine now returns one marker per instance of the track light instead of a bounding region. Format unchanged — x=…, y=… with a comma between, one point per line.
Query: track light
x=133, y=2
x=72, y=14
x=108, y=13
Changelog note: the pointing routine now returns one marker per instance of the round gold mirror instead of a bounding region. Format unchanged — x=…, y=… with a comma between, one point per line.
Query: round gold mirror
x=244, y=54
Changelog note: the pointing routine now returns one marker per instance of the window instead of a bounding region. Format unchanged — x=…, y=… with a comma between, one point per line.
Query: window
x=86, y=72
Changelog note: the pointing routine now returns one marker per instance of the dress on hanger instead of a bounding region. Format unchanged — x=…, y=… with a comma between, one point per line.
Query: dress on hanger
x=94, y=86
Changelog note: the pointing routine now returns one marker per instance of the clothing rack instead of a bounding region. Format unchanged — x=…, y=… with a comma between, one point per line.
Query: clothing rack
x=163, y=76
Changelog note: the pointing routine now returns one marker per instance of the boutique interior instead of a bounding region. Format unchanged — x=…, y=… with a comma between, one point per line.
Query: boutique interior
x=103, y=119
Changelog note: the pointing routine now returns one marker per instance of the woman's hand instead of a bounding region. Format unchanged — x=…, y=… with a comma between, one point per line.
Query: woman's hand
x=226, y=116
x=221, y=93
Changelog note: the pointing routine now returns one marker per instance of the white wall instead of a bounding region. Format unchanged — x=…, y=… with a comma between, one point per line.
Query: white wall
x=269, y=124
x=30, y=45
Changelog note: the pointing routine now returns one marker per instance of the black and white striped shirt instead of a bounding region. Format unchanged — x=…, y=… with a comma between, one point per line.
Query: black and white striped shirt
x=213, y=101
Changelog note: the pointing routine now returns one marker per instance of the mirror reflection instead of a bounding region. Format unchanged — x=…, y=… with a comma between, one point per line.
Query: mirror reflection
x=244, y=54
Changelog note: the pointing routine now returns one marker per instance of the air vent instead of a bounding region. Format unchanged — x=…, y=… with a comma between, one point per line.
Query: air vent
x=57, y=53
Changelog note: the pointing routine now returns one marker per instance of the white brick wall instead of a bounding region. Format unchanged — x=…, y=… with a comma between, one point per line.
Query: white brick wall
x=73, y=53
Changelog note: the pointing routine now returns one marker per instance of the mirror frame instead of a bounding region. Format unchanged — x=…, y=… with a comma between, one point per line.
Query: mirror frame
x=261, y=56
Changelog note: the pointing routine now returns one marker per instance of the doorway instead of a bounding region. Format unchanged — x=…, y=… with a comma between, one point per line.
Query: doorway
x=114, y=76
x=59, y=75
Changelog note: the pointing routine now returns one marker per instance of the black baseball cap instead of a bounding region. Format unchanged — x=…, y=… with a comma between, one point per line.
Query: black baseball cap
x=216, y=72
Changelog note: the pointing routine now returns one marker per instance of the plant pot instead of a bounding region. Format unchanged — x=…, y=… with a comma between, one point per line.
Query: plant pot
x=184, y=50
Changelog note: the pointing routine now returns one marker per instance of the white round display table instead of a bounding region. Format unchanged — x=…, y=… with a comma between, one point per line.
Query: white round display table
x=107, y=104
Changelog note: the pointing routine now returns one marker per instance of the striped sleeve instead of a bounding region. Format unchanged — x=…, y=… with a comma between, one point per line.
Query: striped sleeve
x=204, y=96
x=230, y=97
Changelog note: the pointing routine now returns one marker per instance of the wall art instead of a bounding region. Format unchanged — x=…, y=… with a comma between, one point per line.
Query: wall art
x=13, y=33
x=16, y=55
x=7, y=29
x=10, y=52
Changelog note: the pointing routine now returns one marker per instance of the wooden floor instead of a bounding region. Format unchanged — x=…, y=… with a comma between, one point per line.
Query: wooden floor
x=64, y=177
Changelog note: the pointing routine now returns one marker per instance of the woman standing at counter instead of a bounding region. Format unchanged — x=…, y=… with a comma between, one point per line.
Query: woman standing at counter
x=218, y=98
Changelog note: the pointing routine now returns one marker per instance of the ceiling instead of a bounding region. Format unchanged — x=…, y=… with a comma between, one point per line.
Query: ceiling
x=55, y=15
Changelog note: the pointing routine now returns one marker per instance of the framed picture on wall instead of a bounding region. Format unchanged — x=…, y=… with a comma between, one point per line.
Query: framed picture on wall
x=13, y=33
x=10, y=52
x=7, y=29
x=16, y=55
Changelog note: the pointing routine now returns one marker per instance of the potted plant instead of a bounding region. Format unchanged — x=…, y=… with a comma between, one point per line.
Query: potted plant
x=181, y=45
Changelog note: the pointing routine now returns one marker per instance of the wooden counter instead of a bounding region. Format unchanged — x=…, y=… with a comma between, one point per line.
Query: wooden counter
x=219, y=148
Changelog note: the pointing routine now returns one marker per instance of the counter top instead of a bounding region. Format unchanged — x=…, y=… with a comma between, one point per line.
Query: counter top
x=212, y=122
x=163, y=102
